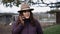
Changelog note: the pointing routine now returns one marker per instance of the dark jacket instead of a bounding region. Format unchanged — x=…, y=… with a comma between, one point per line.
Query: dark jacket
x=29, y=29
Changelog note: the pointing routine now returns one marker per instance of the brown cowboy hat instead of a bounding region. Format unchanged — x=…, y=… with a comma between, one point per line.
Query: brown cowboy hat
x=24, y=7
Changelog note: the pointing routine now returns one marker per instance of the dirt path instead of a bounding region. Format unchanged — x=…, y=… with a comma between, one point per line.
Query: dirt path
x=5, y=29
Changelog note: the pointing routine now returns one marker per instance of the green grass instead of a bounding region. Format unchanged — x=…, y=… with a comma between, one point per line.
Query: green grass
x=52, y=30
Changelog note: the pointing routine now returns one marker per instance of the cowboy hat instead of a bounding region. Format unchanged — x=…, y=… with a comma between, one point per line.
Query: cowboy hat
x=24, y=7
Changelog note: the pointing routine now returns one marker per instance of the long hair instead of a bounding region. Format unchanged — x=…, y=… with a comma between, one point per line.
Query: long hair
x=22, y=22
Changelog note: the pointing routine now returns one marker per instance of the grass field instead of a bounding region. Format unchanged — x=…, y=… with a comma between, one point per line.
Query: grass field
x=52, y=30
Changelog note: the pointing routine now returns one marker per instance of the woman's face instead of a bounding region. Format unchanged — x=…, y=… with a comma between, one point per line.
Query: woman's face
x=26, y=14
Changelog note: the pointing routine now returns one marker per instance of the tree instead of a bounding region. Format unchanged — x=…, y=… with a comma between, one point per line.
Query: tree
x=11, y=2
x=57, y=13
x=56, y=5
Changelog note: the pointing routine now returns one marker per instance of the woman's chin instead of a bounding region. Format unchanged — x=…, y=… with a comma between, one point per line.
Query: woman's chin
x=27, y=17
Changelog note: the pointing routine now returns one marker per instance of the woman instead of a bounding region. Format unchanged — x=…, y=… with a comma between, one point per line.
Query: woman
x=26, y=23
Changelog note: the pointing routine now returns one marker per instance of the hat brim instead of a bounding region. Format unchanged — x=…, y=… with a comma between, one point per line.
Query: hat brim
x=26, y=10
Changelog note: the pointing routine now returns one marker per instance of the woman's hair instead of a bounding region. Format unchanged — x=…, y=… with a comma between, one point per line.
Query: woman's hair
x=31, y=18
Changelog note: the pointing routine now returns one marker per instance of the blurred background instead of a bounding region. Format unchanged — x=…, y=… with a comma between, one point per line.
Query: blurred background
x=46, y=11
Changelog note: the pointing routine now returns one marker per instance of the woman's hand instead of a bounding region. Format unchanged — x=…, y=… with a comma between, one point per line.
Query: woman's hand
x=21, y=19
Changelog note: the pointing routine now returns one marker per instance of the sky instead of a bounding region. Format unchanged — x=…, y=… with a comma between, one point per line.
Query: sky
x=14, y=9
x=3, y=9
x=49, y=1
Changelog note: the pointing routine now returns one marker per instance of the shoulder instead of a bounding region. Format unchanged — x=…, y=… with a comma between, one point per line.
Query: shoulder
x=37, y=22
